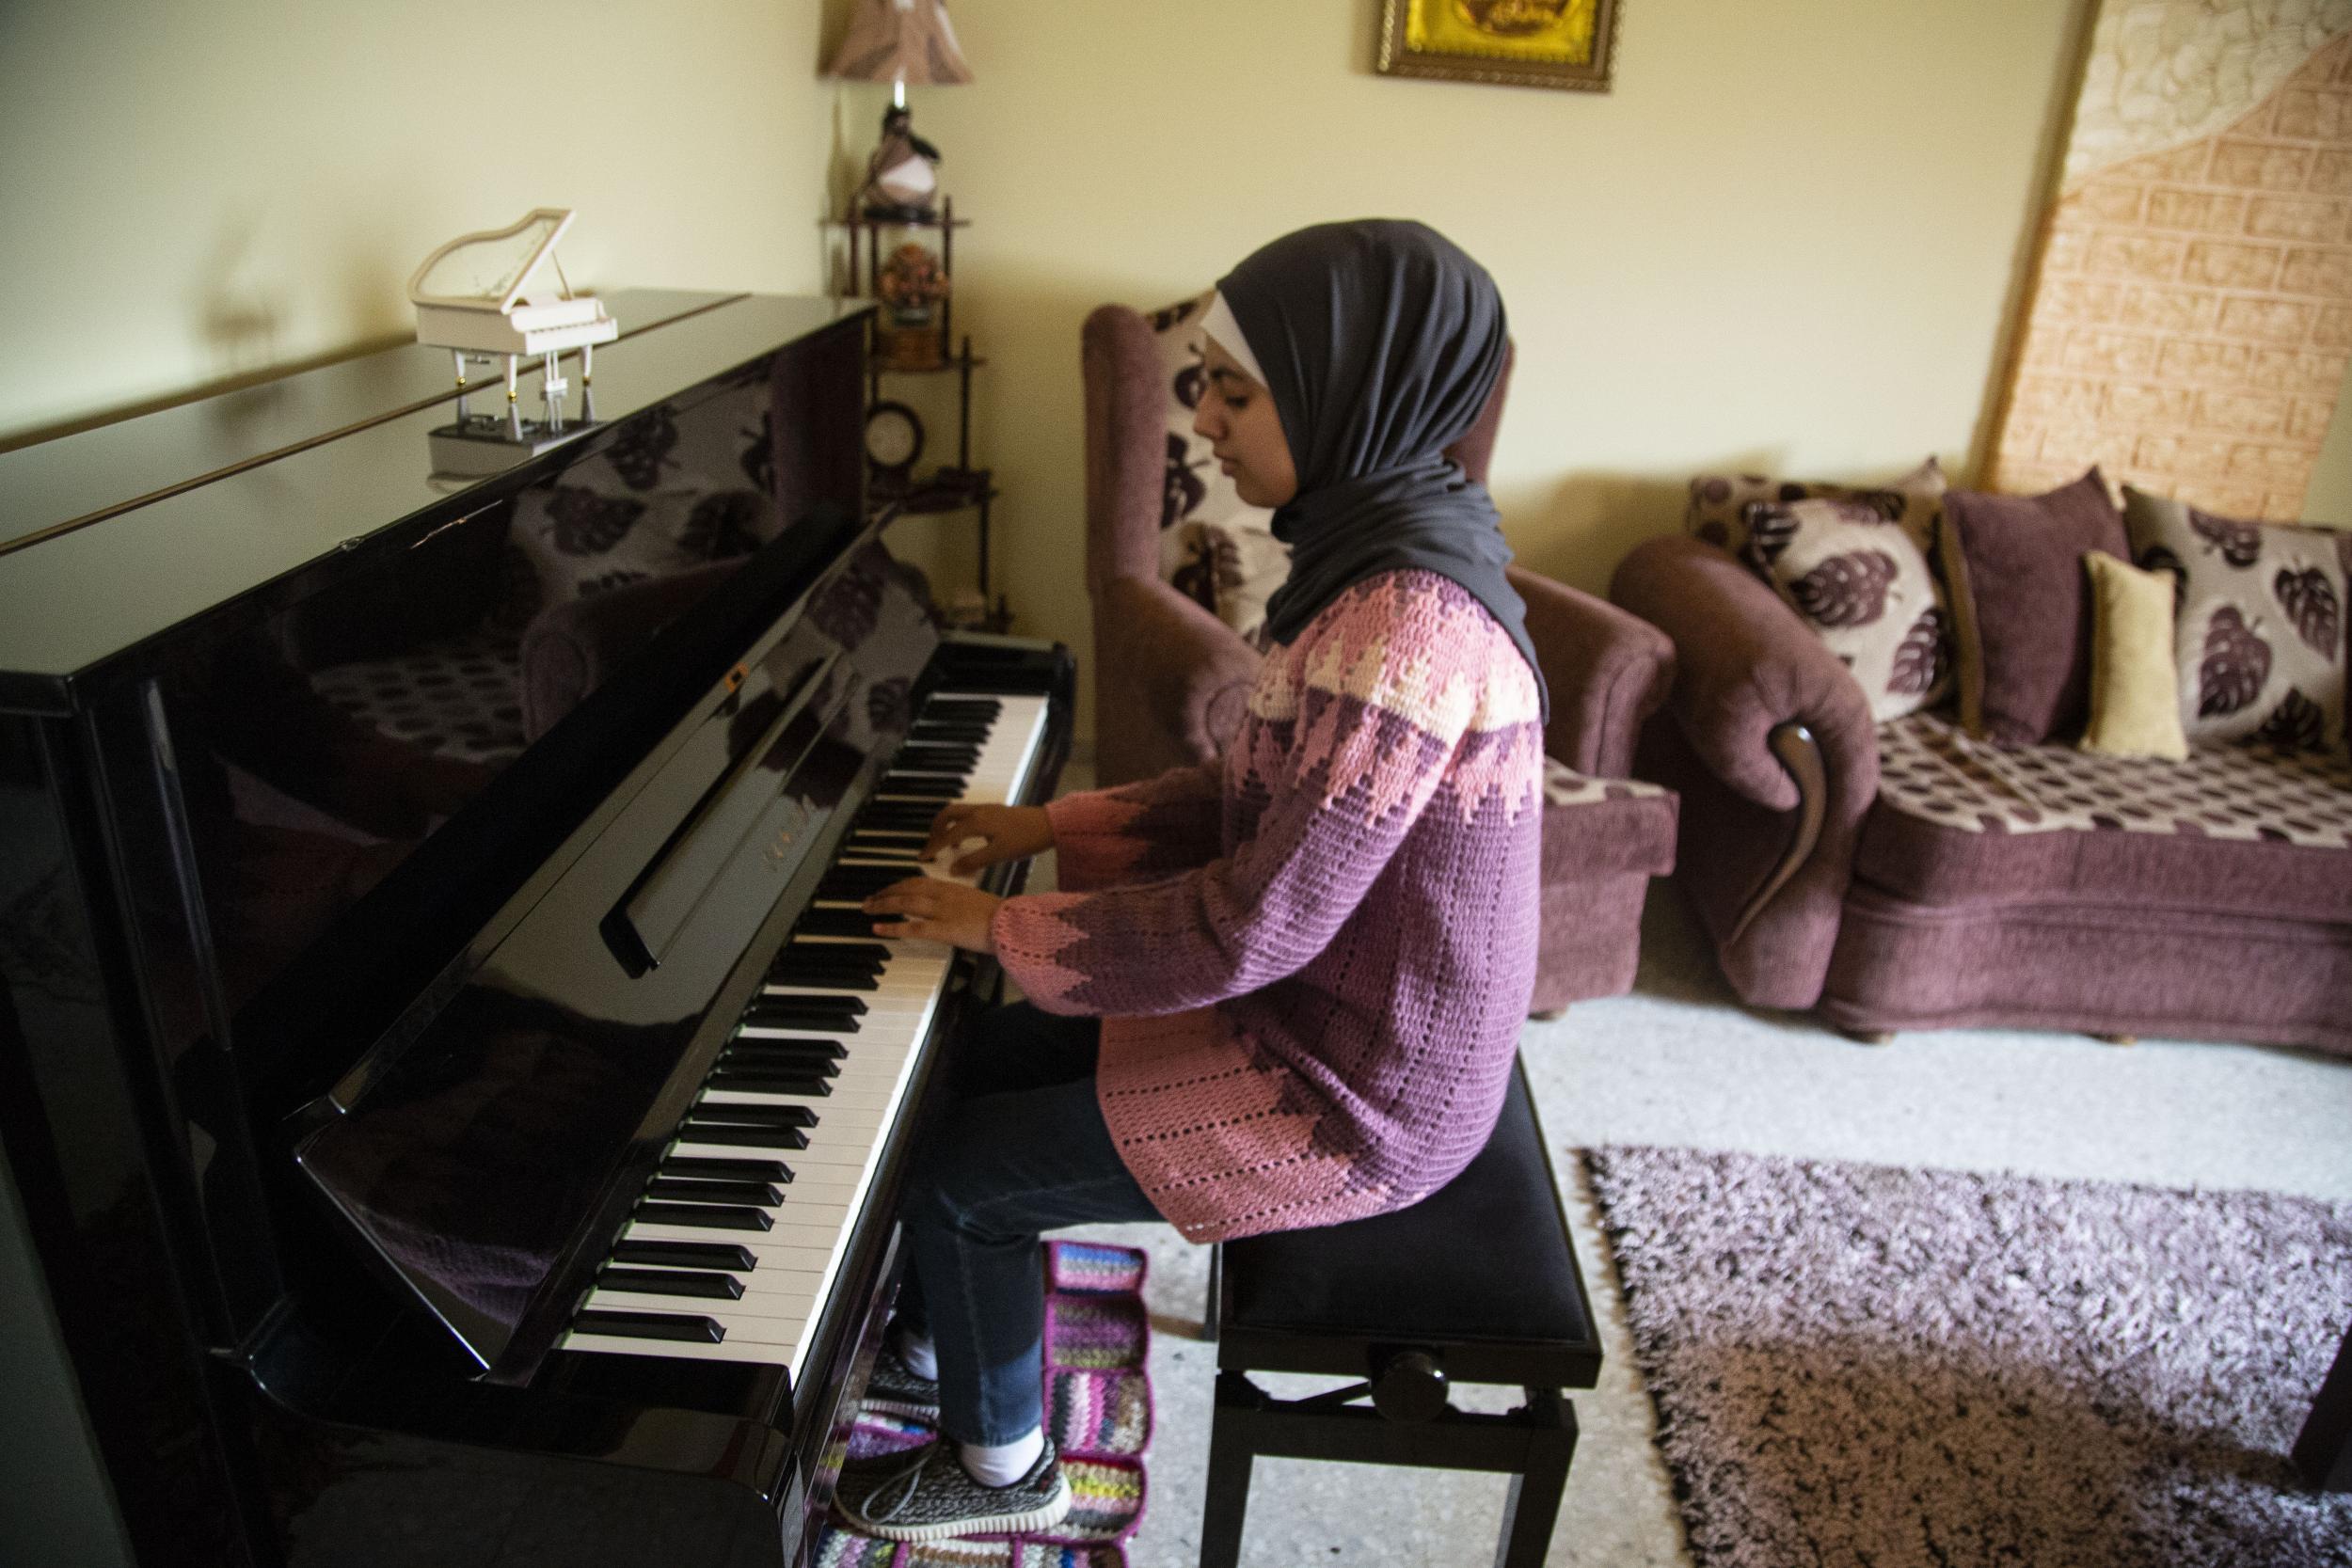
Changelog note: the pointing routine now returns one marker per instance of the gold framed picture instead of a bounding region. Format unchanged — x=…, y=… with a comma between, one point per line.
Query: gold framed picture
x=1526, y=44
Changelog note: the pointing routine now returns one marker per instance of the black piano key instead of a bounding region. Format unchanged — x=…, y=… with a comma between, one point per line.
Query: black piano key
x=838, y=979
x=913, y=831
x=767, y=1081
x=744, y=1137
x=813, y=960
x=685, y=1255
x=802, y=1002
x=689, y=1190
x=810, y=956
x=774, y=1012
x=836, y=923
x=900, y=815
x=736, y=1171
x=873, y=950
x=651, y=1325
x=722, y=1111
x=926, y=786
x=946, y=734
x=961, y=708
x=768, y=1046
x=913, y=828
x=671, y=1282
x=752, y=1067
x=812, y=1068
x=704, y=1217
x=855, y=881
x=821, y=972
x=936, y=757
x=847, y=977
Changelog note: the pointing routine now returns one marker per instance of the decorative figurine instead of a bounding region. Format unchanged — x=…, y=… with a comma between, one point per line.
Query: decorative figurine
x=912, y=284
x=901, y=179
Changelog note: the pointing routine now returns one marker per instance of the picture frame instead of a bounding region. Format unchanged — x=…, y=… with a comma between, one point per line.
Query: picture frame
x=1525, y=43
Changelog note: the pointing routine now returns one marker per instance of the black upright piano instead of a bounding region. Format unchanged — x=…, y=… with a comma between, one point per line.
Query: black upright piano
x=453, y=1112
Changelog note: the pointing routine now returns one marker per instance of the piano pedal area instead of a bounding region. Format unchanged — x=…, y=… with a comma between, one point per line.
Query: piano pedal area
x=736, y=1243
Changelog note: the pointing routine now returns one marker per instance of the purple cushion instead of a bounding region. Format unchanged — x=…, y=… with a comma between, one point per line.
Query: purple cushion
x=2021, y=603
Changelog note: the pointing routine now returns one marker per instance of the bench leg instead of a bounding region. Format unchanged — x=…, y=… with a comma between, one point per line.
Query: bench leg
x=1531, y=1508
x=1226, y=1506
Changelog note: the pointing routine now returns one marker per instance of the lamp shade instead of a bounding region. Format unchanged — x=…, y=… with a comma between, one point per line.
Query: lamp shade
x=900, y=41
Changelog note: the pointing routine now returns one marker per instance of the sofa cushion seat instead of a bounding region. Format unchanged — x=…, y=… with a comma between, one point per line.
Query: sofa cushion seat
x=2236, y=829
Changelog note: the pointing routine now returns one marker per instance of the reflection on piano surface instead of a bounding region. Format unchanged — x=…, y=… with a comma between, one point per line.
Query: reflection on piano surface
x=458, y=1106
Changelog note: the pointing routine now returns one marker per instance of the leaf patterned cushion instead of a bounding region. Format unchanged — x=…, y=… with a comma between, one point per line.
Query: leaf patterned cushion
x=1214, y=547
x=1863, y=585
x=1719, y=504
x=2259, y=628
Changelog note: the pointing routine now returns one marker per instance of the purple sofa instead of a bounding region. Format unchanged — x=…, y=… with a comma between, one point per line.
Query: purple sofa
x=1171, y=678
x=1910, y=877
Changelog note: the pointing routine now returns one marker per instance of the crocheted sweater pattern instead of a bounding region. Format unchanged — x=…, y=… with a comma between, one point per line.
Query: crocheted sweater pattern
x=1311, y=958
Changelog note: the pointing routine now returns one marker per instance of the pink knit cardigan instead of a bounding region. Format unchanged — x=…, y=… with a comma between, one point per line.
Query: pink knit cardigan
x=1311, y=960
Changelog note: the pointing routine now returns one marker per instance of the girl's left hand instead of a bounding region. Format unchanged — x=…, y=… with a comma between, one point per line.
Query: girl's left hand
x=934, y=910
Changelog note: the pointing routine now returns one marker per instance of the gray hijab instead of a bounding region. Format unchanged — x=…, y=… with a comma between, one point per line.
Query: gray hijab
x=1380, y=341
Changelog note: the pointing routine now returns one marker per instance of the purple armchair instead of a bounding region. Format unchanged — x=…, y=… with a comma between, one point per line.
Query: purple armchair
x=1171, y=678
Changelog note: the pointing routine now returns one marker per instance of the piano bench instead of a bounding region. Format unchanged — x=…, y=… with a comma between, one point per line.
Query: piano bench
x=1476, y=1283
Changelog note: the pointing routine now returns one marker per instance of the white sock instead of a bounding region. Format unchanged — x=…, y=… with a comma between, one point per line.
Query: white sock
x=1002, y=1463
x=916, y=1351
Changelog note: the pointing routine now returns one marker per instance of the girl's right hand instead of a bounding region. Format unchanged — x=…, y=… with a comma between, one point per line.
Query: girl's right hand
x=1007, y=834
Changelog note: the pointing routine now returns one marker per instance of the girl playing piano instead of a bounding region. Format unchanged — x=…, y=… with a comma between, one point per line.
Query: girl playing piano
x=1282, y=989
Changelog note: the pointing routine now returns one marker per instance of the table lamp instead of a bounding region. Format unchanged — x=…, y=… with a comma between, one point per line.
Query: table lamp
x=900, y=42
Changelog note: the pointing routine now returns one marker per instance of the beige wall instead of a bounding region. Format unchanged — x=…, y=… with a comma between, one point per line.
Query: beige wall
x=1789, y=240
x=198, y=190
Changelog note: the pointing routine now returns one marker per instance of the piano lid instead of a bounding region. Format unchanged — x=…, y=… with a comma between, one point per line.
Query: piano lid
x=79, y=598
x=488, y=270
x=75, y=480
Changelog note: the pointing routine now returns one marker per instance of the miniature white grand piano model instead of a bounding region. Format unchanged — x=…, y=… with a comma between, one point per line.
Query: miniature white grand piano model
x=469, y=300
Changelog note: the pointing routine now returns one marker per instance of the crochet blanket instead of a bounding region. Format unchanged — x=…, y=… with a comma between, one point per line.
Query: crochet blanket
x=1098, y=1406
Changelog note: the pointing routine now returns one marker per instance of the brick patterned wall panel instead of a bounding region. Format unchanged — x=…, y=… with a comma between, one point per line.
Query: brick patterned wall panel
x=2190, y=320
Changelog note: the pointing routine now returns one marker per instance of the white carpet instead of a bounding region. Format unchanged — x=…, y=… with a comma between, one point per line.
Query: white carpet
x=1681, y=1063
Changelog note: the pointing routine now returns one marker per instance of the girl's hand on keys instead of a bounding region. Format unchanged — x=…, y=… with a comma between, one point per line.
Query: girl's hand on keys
x=931, y=909
x=1005, y=833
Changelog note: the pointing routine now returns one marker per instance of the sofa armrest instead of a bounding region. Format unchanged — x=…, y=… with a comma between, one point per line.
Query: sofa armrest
x=1776, y=755
x=1745, y=665
x=1608, y=672
x=1126, y=457
x=1171, y=679
x=1599, y=827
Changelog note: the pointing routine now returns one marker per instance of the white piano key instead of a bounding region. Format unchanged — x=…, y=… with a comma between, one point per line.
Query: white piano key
x=754, y=1304
x=795, y=1259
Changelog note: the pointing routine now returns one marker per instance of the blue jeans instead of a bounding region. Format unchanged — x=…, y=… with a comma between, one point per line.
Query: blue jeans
x=1022, y=1150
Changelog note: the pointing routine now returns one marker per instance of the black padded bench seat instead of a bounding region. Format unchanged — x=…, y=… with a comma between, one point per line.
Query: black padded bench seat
x=1476, y=1283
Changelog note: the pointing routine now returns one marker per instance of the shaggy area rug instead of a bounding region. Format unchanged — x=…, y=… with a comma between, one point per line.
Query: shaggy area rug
x=1864, y=1367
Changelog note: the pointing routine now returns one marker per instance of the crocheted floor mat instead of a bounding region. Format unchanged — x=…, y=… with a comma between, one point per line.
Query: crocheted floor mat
x=1098, y=1406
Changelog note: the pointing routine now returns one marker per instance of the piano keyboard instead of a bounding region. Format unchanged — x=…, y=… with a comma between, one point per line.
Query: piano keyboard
x=733, y=1250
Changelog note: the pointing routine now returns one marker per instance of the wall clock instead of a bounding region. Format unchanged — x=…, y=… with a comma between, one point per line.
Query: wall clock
x=894, y=439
